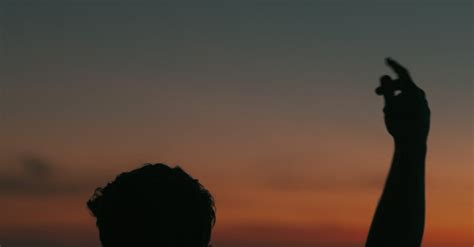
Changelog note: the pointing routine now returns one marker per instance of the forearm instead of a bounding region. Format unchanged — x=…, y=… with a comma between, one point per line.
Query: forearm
x=399, y=218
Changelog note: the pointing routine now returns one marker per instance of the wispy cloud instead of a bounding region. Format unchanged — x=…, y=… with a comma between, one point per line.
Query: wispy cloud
x=36, y=176
x=295, y=174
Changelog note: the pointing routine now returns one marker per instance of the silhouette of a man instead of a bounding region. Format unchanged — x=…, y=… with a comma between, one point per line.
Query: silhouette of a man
x=159, y=206
x=154, y=206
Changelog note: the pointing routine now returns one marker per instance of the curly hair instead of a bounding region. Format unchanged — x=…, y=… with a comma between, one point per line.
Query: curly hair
x=154, y=205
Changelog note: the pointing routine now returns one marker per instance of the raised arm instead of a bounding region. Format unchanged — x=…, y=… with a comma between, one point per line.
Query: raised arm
x=400, y=214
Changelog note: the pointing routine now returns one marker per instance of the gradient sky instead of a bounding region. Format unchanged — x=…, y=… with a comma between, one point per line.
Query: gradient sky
x=270, y=104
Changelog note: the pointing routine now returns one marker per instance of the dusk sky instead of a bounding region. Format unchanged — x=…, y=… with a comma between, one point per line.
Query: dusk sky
x=270, y=104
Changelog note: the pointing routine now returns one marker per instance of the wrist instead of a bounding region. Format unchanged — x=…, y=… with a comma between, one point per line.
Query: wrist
x=414, y=144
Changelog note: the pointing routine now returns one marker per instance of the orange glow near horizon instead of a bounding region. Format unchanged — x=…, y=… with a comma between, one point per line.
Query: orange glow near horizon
x=270, y=105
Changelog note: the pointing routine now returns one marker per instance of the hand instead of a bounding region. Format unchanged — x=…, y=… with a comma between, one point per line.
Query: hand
x=407, y=115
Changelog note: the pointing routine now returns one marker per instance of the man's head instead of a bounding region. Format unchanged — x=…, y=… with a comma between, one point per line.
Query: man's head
x=154, y=206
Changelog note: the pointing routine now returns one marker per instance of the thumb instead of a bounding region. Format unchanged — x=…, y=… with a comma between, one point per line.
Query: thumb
x=387, y=88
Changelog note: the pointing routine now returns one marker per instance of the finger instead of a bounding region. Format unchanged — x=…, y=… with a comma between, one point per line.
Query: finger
x=387, y=88
x=406, y=83
x=386, y=85
x=401, y=71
